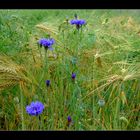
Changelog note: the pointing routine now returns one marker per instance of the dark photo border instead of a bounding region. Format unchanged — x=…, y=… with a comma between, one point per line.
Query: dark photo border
x=71, y=135
x=69, y=4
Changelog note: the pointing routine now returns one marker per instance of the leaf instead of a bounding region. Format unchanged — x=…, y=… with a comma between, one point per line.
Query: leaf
x=105, y=21
x=124, y=119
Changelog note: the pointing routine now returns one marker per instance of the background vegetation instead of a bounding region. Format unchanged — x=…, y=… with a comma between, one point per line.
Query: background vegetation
x=105, y=55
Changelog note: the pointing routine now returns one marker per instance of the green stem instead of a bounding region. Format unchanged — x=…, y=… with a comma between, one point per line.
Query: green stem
x=39, y=48
x=39, y=123
x=22, y=116
x=45, y=67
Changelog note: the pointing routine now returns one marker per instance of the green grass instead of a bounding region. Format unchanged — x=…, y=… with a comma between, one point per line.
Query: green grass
x=104, y=54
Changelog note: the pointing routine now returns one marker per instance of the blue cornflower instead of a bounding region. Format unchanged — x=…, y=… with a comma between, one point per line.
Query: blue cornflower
x=47, y=83
x=69, y=119
x=47, y=43
x=78, y=22
x=73, y=76
x=35, y=108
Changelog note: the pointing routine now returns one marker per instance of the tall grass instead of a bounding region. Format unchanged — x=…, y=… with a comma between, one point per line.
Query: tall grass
x=104, y=54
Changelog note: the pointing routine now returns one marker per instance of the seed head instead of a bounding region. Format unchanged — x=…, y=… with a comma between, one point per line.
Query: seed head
x=101, y=102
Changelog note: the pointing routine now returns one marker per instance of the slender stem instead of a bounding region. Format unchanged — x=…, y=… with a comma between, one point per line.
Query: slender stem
x=22, y=116
x=39, y=122
x=39, y=48
x=45, y=60
x=45, y=67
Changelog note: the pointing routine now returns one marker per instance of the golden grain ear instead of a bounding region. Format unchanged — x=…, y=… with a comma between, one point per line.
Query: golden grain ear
x=99, y=62
x=48, y=28
x=10, y=73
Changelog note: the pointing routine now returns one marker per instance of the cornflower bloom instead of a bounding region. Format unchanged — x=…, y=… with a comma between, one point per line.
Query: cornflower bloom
x=35, y=108
x=69, y=119
x=78, y=22
x=46, y=43
x=47, y=83
x=73, y=76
